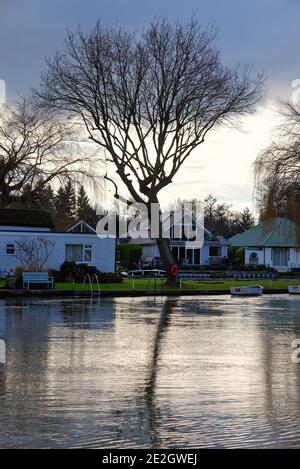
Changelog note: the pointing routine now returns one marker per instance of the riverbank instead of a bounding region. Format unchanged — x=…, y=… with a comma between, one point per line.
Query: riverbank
x=146, y=287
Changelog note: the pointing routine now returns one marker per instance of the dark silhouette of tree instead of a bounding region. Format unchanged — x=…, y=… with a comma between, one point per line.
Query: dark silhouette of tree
x=148, y=100
x=246, y=219
x=277, y=171
x=209, y=207
x=41, y=196
x=65, y=205
x=84, y=210
x=36, y=147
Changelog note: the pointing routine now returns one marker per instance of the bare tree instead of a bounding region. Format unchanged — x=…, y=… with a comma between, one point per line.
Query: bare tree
x=36, y=147
x=33, y=254
x=149, y=100
x=277, y=171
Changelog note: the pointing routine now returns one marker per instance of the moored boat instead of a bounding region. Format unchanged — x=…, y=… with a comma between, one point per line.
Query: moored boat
x=294, y=289
x=249, y=290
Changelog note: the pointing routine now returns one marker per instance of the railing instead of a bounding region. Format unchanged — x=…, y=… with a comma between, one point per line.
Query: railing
x=90, y=279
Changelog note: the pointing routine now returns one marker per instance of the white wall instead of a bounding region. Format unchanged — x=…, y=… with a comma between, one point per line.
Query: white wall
x=224, y=251
x=103, y=249
x=265, y=257
x=259, y=253
x=204, y=258
x=204, y=253
x=295, y=258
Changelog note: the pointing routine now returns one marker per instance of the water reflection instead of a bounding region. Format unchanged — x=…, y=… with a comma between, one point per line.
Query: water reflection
x=151, y=372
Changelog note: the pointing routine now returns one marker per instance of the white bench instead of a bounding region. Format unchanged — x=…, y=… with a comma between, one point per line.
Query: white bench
x=37, y=278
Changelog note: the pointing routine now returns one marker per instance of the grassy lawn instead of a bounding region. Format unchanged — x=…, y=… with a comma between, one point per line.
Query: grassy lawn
x=150, y=284
x=145, y=284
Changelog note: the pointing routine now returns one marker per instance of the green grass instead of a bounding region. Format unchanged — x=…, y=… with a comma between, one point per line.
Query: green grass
x=200, y=285
x=142, y=284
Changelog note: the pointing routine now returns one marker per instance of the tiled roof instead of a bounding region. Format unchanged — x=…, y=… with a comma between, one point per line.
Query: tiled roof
x=27, y=217
x=279, y=232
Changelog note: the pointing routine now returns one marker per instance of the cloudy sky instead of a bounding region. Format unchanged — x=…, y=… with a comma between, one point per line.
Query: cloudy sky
x=264, y=33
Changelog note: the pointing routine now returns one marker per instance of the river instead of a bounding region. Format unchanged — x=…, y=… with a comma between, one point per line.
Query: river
x=150, y=372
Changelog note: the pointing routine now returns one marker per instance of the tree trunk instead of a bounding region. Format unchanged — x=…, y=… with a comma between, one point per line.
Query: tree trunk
x=4, y=196
x=168, y=259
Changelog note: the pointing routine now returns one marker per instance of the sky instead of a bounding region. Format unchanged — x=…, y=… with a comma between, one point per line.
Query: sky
x=262, y=33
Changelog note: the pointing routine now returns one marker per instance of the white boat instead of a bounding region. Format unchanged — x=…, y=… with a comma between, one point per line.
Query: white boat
x=295, y=289
x=249, y=290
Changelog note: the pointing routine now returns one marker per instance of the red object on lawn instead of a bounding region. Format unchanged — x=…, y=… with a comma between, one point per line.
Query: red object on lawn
x=173, y=270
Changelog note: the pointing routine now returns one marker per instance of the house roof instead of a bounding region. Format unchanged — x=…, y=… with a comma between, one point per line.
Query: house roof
x=81, y=226
x=176, y=217
x=25, y=217
x=279, y=232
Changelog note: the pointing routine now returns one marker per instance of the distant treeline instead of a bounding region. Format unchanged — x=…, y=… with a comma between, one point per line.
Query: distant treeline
x=67, y=204
x=70, y=203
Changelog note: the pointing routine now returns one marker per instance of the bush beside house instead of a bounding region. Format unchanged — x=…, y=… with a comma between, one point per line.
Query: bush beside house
x=130, y=254
x=70, y=271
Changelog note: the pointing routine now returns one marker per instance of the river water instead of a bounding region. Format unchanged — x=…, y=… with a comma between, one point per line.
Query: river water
x=150, y=373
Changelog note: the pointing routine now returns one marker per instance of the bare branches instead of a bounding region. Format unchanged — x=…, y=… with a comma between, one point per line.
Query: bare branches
x=277, y=170
x=34, y=253
x=36, y=145
x=148, y=100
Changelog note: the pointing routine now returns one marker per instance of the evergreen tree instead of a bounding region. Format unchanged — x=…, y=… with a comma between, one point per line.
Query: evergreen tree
x=43, y=196
x=40, y=196
x=65, y=205
x=246, y=219
x=84, y=209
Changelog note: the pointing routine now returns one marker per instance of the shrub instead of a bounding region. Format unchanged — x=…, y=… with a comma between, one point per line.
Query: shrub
x=70, y=271
x=19, y=277
x=16, y=281
x=129, y=254
x=240, y=254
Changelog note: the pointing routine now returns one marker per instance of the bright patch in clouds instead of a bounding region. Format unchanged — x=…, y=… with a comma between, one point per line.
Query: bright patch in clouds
x=223, y=164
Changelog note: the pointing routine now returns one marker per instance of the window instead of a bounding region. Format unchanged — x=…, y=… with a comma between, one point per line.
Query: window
x=253, y=258
x=214, y=251
x=175, y=252
x=78, y=252
x=189, y=255
x=280, y=257
x=10, y=249
x=87, y=253
x=181, y=253
x=196, y=256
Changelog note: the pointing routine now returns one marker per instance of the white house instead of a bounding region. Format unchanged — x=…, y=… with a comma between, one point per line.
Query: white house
x=79, y=244
x=214, y=250
x=274, y=243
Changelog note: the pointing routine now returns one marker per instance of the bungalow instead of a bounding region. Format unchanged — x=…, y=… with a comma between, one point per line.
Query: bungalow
x=214, y=250
x=79, y=244
x=273, y=243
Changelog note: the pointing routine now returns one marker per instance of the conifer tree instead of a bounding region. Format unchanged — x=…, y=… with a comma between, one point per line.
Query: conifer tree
x=84, y=208
x=65, y=205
